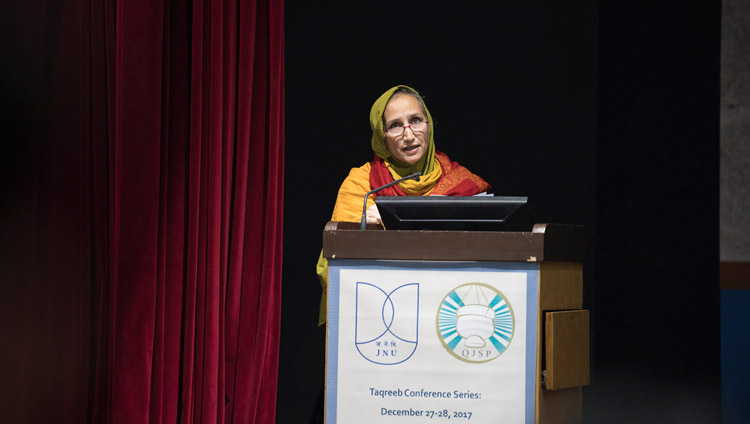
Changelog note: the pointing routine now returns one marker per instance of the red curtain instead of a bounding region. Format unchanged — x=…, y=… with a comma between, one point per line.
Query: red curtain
x=146, y=258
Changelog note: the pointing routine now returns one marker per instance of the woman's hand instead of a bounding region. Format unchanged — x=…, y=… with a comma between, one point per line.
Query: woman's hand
x=372, y=215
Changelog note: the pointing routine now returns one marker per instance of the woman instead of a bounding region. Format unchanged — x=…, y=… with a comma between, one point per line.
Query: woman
x=402, y=139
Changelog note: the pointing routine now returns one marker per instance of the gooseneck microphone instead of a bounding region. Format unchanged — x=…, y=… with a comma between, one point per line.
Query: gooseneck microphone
x=363, y=223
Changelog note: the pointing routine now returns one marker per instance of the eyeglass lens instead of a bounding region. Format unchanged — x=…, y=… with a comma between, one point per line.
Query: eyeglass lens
x=398, y=130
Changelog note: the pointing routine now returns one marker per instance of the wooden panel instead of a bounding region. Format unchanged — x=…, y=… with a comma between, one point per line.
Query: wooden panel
x=560, y=406
x=567, y=349
x=341, y=241
x=560, y=286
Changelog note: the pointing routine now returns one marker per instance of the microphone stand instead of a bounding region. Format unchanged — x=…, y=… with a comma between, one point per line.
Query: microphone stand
x=363, y=223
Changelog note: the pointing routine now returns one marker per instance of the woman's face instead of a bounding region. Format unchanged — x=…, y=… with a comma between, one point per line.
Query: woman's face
x=403, y=110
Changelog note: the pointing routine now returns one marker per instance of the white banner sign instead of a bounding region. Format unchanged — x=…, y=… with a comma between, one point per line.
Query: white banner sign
x=417, y=342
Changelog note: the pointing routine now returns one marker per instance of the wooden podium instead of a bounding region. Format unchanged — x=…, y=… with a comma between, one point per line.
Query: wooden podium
x=555, y=253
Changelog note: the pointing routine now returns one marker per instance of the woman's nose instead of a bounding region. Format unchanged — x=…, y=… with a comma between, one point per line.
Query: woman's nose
x=408, y=134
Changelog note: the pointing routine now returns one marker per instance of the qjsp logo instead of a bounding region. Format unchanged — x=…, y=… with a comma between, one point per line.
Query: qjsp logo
x=475, y=322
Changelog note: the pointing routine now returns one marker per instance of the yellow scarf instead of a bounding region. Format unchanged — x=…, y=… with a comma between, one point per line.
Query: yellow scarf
x=423, y=187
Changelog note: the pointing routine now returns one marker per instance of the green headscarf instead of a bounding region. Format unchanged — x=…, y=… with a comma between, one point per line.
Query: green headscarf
x=426, y=163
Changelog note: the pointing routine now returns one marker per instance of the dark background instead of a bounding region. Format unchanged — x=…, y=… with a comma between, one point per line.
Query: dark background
x=605, y=115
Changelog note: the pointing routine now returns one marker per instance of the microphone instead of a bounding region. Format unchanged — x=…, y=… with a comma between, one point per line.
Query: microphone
x=363, y=223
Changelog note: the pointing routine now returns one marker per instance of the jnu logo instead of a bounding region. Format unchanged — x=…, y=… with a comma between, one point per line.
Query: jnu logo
x=386, y=326
x=475, y=322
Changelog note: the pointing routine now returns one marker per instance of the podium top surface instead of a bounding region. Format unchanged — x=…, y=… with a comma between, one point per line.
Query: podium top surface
x=546, y=242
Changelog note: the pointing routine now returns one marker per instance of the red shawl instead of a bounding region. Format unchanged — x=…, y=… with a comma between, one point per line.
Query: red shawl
x=455, y=181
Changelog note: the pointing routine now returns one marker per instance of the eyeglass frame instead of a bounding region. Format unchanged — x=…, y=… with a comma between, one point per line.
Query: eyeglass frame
x=404, y=127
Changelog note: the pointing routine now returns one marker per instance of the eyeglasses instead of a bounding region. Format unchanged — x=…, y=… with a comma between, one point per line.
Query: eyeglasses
x=417, y=125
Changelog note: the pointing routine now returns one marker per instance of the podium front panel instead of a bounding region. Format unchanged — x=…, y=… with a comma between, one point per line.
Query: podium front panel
x=424, y=341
